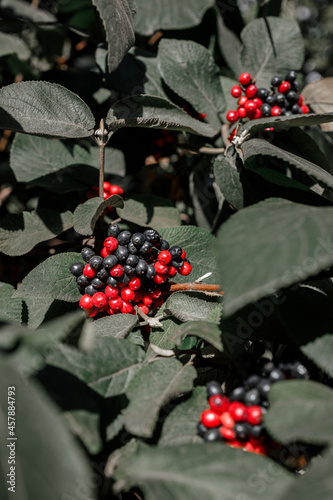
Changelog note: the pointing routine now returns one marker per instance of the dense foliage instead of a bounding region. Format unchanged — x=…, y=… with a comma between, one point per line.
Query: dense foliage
x=137, y=96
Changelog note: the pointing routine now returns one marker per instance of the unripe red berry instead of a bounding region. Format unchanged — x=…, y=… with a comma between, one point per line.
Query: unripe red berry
x=238, y=411
x=89, y=272
x=305, y=109
x=159, y=278
x=127, y=294
x=106, y=195
x=146, y=299
x=254, y=415
x=143, y=308
x=242, y=100
x=111, y=292
x=138, y=296
x=126, y=307
x=155, y=294
x=172, y=271
x=117, y=271
x=111, y=243
x=164, y=257
x=91, y=312
x=185, y=269
x=183, y=255
x=255, y=115
x=227, y=433
x=86, y=302
x=284, y=87
x=210, y=418
x=245, y=78
x=236, y=91
x=242, y=113
x=100, y=301
x=134, y=284
x=258, y=102
x=160, y=268
x=276, y=111
x=105, y=252
x=106, y=186
x=227, y=420
x=218, y=403
x=251, y=91
x=250, y=106
x=300, y=100
x=232, y=116
x=158, y=302
x=116, y=304
x=114, y=189
x=109, y=311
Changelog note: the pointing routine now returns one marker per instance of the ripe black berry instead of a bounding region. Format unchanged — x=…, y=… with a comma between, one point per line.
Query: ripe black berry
x=252, y=397
x=291, y=76
x=213, y=388
x=102, y=274
x=152, y=235
x=276, y=81
x=163, y=245
x=132, y=248
x=90, y=290
x=110, y=261
x=132, y=260
x=113, y=230
x=129, y=269
x=264, y=387
x=82, y=281
x=270, y=100
x=124, y=237
x=262, y=93
x=141, y=267
x=177, y=263
x=146, y=248
x=292, y=96
x=124, y=278
x=121, y=253
x=280, y=99
x=237, y=394
x=151, y=271
x=97, y=283
x=76, y=268
x=212, y=435
x=299, y=371
x=87, y=253
x=276, y=375
x=267, y=368
x=296, y=110
x=252, y=381
x=176, y=252
x=256, y=430
x=241, y=429
x=111, y=281
x=96, y=262
x=201, y=428
x=138, y=239
x=266, y=109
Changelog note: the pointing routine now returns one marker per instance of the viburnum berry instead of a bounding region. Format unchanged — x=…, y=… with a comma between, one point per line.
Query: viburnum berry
x=158, y=302
x=134, y=284
x=155, y=294
x=172, y=271
x=86, y=302
x=276, y=111
x=238, y=411
x=245, y=79
x=126, y=307
x=242, y=100
x=305, y=109
x=185, y=269
x=127, y=294
x=254, y=415
x=232, y=116
x=111, y=243
x=258, y=102
x=284, y=87
x=105, y=252
x=146, y=299
x=89, y=272
x=250, y=106
x=114, y=189
x=227, y=433
x=143, y=308
x=116, y=303
x=117, y=271
x=164, y=257
x=160, y=268
x=91, y=312
x=236, y=91
x=227, y=420
x=242, y=113
x=100, y=301
x=251, y=91
x=210, y=418
x=218, y=403
x=111, y=292
x=159, y=278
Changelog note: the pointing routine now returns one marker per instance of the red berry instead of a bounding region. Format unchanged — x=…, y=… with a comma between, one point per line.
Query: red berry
x=126, y=307
x=155, y=294
x=245, y=79
x=258, y=102
x=185, y=269
x=111, y=292
x=127, y=294
x=300, y=100
x=183, y=255
x=111, y=243
x=164, y=257
x=227, y=420
x=160, y=268
x=218, y=403
x=146, y=299
x=242, y=100
x=116, y=304
x=251, y=91
x=109, y=310
x=86, y=302
x=238, y=411
x=138, y=295
x=236, y=91
x=159, y=278
x=114, y=189
x=210, y=418
x=227, y=433
x=235, y=443
x=91, y=312
x=106, y=195
x=117, y=271
x=172, y=271
x=143, y=308
x=232, y=116
x=284, y=87
x=249, y=447
x=276, y=111
x=89, y=272
x=305, y=109
x=105, y=252
x=134, y=284
x=254, y=415
x=106, y=186
x=100, y=301
x=255, y=115
x=250, y=106
x=242, y=113
x=158, y=302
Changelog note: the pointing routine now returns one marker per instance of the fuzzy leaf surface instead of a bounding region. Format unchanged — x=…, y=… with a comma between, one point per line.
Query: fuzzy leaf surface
x=86, y=215
x=150, y=210
x=318, y=95
x=284, y=122
x=12, y=44
x=320, y=351
x=227, y=178
x=117, y=326
x=201, y=329
x=188, y=306
x=10, y=308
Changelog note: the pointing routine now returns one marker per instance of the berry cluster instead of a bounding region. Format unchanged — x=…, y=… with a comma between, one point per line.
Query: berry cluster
x=282, y=99
x=132, y=269
x=237, y=419
x=109, y=190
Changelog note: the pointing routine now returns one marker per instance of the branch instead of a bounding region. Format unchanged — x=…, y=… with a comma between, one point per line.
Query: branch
x=200, y=287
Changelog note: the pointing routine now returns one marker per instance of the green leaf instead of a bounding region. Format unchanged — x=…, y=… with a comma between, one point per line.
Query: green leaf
x=202, y=329
x=211, y=471
x=153, y=15
x=188, y=306
x=150, y=210
x=10, y=308
x=260, y=147
x=51, y=280
x=290, y=245
x=154, y=112
x=155, y=385
x=229, y=45
x=163, y=336
x=107, y=369
x=190, y=71
x=227, y=178
x=44, y=108
x=117, y=18
x=198, y=245
x=180, y=427
x=58, y=165
x=231, y=103
x=300, y=411
x=320, y=351
x=22, y=10
x=86, y=215
x=39, y=427
x=85, y=425
x=117, y=326
x=267, y=47
x=318, y=95
x=254, y=126
x=19, y=233
x=12, y=44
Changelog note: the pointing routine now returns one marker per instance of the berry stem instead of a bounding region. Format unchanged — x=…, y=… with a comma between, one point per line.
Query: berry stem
x=201, y=287
x=205, y=150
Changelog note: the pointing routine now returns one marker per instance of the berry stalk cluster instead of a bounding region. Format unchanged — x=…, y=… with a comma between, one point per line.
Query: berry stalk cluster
x=238, y=419
x=282, y=99
x=132, y=269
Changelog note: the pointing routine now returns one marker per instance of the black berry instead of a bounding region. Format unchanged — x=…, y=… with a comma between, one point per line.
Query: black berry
x=138, y=239
x=76, y=268
x=141, y=267
x=291, y=76
x=213, y=388
x=90, y=290
x=110, y=261
x=132, y=260
x=113, y=230
x=146, y=248
x=96, y=262
x=124, y=237
x=252, y=397
x=276, y=81
x=121, y=253
x=82, y=280
x=87, y=253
